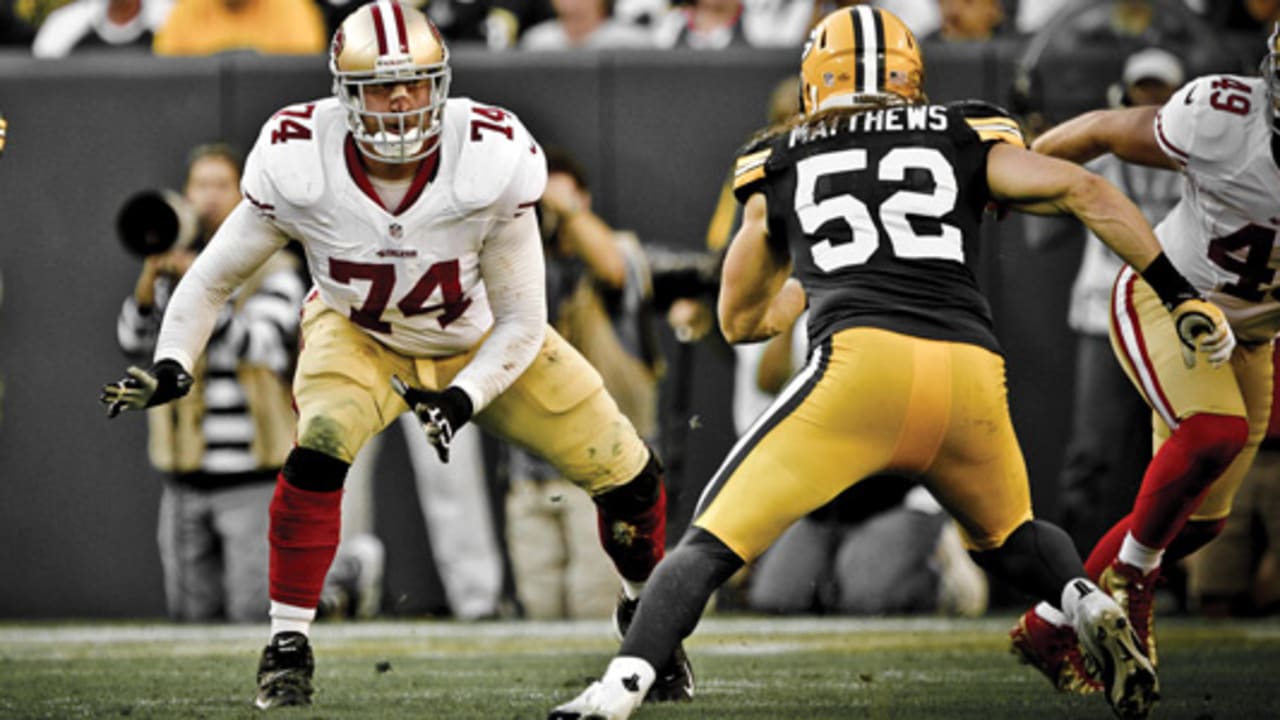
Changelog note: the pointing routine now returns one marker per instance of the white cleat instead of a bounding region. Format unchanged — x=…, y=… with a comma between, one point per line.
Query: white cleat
x=1110, y=643
x=616, y=696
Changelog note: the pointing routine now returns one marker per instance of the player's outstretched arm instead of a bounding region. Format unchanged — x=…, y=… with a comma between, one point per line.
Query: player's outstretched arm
x=758, y=298
x=1127, y=133
x=1045, y=185
x=242, y=243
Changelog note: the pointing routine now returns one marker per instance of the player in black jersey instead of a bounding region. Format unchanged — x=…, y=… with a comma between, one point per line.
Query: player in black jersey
x=867, y=207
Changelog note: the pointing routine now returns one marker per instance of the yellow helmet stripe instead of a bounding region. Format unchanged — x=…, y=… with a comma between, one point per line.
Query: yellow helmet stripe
x=1273, y=42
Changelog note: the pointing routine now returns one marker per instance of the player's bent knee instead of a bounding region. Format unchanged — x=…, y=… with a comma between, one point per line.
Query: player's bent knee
x=324, y=435
x=636, y=496
x=313, y=470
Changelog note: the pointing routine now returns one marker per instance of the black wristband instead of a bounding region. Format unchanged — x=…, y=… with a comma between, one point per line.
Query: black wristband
x=456, y=404
x=1168, y=283
x=171, y=381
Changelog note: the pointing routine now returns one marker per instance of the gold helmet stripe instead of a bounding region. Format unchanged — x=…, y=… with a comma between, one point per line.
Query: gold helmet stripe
x=388, y=22
x=1273, y=42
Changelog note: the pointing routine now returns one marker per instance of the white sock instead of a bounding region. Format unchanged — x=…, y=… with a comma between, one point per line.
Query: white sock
x=1140, y=556
x=291, y=618
x=631, y=588
x=1051, y=614
x=1077, y=592
x=626, y=670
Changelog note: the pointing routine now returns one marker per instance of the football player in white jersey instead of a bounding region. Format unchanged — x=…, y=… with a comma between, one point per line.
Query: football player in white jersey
x=416, y=214
x=1223, y=133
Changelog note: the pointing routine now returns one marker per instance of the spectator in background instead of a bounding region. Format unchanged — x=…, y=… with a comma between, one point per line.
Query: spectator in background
x=15, y=29
x=969, y=20
x=599, y=298
x=1238, y=574
x=918, y=15
x=205, y=27
x=458, y=20
x=96, y=24
x=1243, y=16
x=583, y=24
x=224, y=443
x=1110, y=442
x=704, y=25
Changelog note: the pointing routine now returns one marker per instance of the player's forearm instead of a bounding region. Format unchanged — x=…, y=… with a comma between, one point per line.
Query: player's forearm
x=512, y=266
x=760, y=316
x=1114, y=219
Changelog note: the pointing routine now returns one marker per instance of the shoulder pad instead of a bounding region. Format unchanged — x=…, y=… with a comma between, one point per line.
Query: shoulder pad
x=286, y=159
x=992, y=122
x=498, y=157
x=1207, y=119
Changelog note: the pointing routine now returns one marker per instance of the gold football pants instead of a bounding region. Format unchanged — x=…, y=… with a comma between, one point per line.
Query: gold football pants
x=557, y=409
x=872, y=401
x=1145, y=341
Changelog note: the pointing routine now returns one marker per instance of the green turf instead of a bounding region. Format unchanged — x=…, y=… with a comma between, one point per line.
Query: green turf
x=747, y=668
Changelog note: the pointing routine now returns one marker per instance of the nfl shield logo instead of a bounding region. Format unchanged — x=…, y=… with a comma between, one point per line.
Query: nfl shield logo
x=397, y=232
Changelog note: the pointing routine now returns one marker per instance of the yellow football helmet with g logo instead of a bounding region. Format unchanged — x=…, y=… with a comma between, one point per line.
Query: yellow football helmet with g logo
x=860, y=55
x=386, y=42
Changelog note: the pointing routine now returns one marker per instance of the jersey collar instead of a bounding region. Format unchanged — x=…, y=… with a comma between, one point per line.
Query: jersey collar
x=425, y=174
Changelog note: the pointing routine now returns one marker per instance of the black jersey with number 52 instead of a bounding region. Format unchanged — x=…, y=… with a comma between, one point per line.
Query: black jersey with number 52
x=879, y=210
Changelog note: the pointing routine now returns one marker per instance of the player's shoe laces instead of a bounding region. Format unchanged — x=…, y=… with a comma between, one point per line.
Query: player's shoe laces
x=1111, y=645
x=1055, y=651
x=1134, y=592
x=674, y=682
x=284, y=673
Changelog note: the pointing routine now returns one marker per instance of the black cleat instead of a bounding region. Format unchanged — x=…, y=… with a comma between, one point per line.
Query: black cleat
x=284, y=673
x=674, y=681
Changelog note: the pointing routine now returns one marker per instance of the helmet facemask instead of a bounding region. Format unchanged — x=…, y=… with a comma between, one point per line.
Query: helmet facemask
x=395, y=137
x=384, y=43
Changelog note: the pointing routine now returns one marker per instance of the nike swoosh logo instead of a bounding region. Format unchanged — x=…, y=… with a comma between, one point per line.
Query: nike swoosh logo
x=1190, y=97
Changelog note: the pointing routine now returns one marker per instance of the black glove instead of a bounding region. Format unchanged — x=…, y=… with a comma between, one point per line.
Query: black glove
x=441, y=413
x=160, y=383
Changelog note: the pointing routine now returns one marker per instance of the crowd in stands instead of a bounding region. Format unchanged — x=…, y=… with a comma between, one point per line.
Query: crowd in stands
x=56, y=28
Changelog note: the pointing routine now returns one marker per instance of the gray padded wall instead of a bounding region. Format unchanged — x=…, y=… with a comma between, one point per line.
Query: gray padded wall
x=656, y=133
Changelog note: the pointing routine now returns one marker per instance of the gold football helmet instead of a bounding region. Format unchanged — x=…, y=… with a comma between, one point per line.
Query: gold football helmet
x=860, y=55
x=385, y=42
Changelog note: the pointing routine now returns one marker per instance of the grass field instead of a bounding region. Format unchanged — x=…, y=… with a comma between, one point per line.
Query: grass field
x=747, y=668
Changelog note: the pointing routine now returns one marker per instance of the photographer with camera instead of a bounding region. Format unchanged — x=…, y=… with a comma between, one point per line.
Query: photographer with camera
x=600, y=299
x=225, y=441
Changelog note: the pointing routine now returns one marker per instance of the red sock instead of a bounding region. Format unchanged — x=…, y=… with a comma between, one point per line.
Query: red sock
x=1177, y=479
x=305, y=529
x=635, y=538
